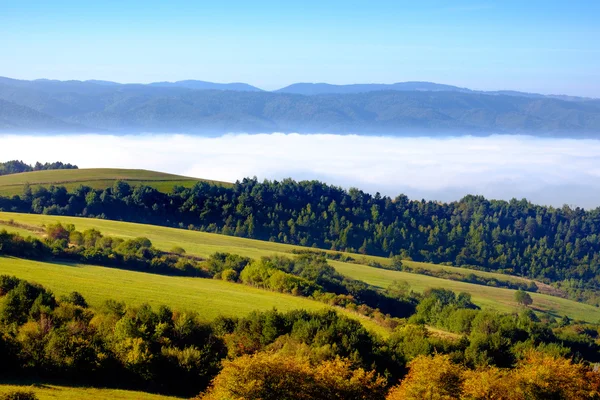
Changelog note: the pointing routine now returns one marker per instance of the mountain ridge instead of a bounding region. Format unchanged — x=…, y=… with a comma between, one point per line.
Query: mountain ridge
x=413, y=108
x=308, y=88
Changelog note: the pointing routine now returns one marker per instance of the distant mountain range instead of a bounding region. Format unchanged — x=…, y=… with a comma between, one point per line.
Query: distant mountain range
x=198, y=107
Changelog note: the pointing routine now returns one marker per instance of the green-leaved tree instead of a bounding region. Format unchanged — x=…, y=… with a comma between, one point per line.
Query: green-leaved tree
x=523, y=298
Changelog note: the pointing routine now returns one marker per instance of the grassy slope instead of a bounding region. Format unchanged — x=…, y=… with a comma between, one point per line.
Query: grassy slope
x=208, y=297
x=98, y=178
x=487, y=297
x=52, y=391
x=204, y=244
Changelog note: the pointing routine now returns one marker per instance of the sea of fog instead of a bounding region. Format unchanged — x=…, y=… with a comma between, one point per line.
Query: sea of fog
x=545, y=171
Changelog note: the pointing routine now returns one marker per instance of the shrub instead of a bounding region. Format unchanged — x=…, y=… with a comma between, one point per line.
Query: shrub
x=178, y=250
x=523, y=298
x=75, y=298
x=18, y=395
x=57, y=232
x=229, y=275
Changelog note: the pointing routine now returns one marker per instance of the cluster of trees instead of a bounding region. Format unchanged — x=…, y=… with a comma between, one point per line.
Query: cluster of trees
x=514, y=237
x=311, y=275
x=18, y=395
x=537, y=375
x=306, y=275
x=92, y=247
x=16, y=166
x=298, y=354
x=273, y=377
x=160, y=350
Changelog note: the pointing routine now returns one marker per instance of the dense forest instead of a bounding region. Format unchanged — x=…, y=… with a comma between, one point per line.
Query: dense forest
x=514, y=237
x=294, y=355
x=16, y=166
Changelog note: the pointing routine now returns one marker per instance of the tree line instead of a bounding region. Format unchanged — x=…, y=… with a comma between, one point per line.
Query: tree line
x=307, y=275
x=517, y=237
x=293, y=355
x=16, y=166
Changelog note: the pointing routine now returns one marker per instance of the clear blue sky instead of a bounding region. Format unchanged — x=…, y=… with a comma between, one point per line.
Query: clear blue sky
x=532, y=45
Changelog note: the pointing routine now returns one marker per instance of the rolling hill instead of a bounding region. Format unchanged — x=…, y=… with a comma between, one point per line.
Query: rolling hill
x=97, y=178
x=203, y=244
x=310, y=89
x=15, y=117
x=411, y=108
x=202, y=85
x=51, y=391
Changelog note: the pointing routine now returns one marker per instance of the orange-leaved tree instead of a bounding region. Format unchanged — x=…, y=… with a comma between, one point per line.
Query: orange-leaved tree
x=537, y=376
x=430, y=378
x=273, y=376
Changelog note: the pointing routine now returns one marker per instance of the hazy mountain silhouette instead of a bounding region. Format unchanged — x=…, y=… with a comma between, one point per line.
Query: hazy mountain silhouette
x=202, y=85
x=326, y=88
x=410, y=108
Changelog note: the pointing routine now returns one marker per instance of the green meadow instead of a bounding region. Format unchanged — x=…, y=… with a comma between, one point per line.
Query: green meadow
x=204, y=244
x=52, y=391
x=210, y=298
x=97, y=178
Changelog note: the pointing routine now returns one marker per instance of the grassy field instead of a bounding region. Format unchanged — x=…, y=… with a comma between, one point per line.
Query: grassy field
x=204, y=244
x=208, y=297
x=53, y=391
x=484, y=296
x=98, y=178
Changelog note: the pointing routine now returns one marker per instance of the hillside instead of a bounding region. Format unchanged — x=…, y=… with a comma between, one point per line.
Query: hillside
x=310, y=89
x=97, y=178
x=52, y=391
x=402, y=109
x=511, y=237
x=208, y=297
x=204, y=244
x=202, y=85
x=19, y=118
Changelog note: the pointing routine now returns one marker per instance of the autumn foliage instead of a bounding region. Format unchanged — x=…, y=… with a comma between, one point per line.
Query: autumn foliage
x=433, y=378
x=272, y=376
x=538, y=376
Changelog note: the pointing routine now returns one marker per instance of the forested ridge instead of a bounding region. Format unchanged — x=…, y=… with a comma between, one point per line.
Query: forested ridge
x=515, y=237
x=53, y=106
x=16, y=166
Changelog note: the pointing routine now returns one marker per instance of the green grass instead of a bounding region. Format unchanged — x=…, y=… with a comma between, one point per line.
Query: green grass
x=210, y=298
x=54, y=391
x=204, y=244
x=97, y=178
x=484, y=296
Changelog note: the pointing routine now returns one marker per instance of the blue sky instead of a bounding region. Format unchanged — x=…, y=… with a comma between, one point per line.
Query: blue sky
x=530, y=45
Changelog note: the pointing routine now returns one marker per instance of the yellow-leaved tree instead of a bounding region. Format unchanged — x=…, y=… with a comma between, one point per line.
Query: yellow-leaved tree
x=430, y=378
x=537, y=376
x=272, y=376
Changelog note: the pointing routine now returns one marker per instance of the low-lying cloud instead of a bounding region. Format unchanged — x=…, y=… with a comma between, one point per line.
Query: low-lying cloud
x=546, y=171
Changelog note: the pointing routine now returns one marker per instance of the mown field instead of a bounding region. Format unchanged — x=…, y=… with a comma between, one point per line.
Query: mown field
x=204, y=244
x=52, y=391
x=97, y=178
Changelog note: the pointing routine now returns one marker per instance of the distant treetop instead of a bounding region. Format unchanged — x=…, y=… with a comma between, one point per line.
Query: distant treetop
x=16, y=166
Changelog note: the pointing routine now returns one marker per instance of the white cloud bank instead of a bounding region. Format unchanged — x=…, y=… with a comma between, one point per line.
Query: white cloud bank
x=546, y=171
